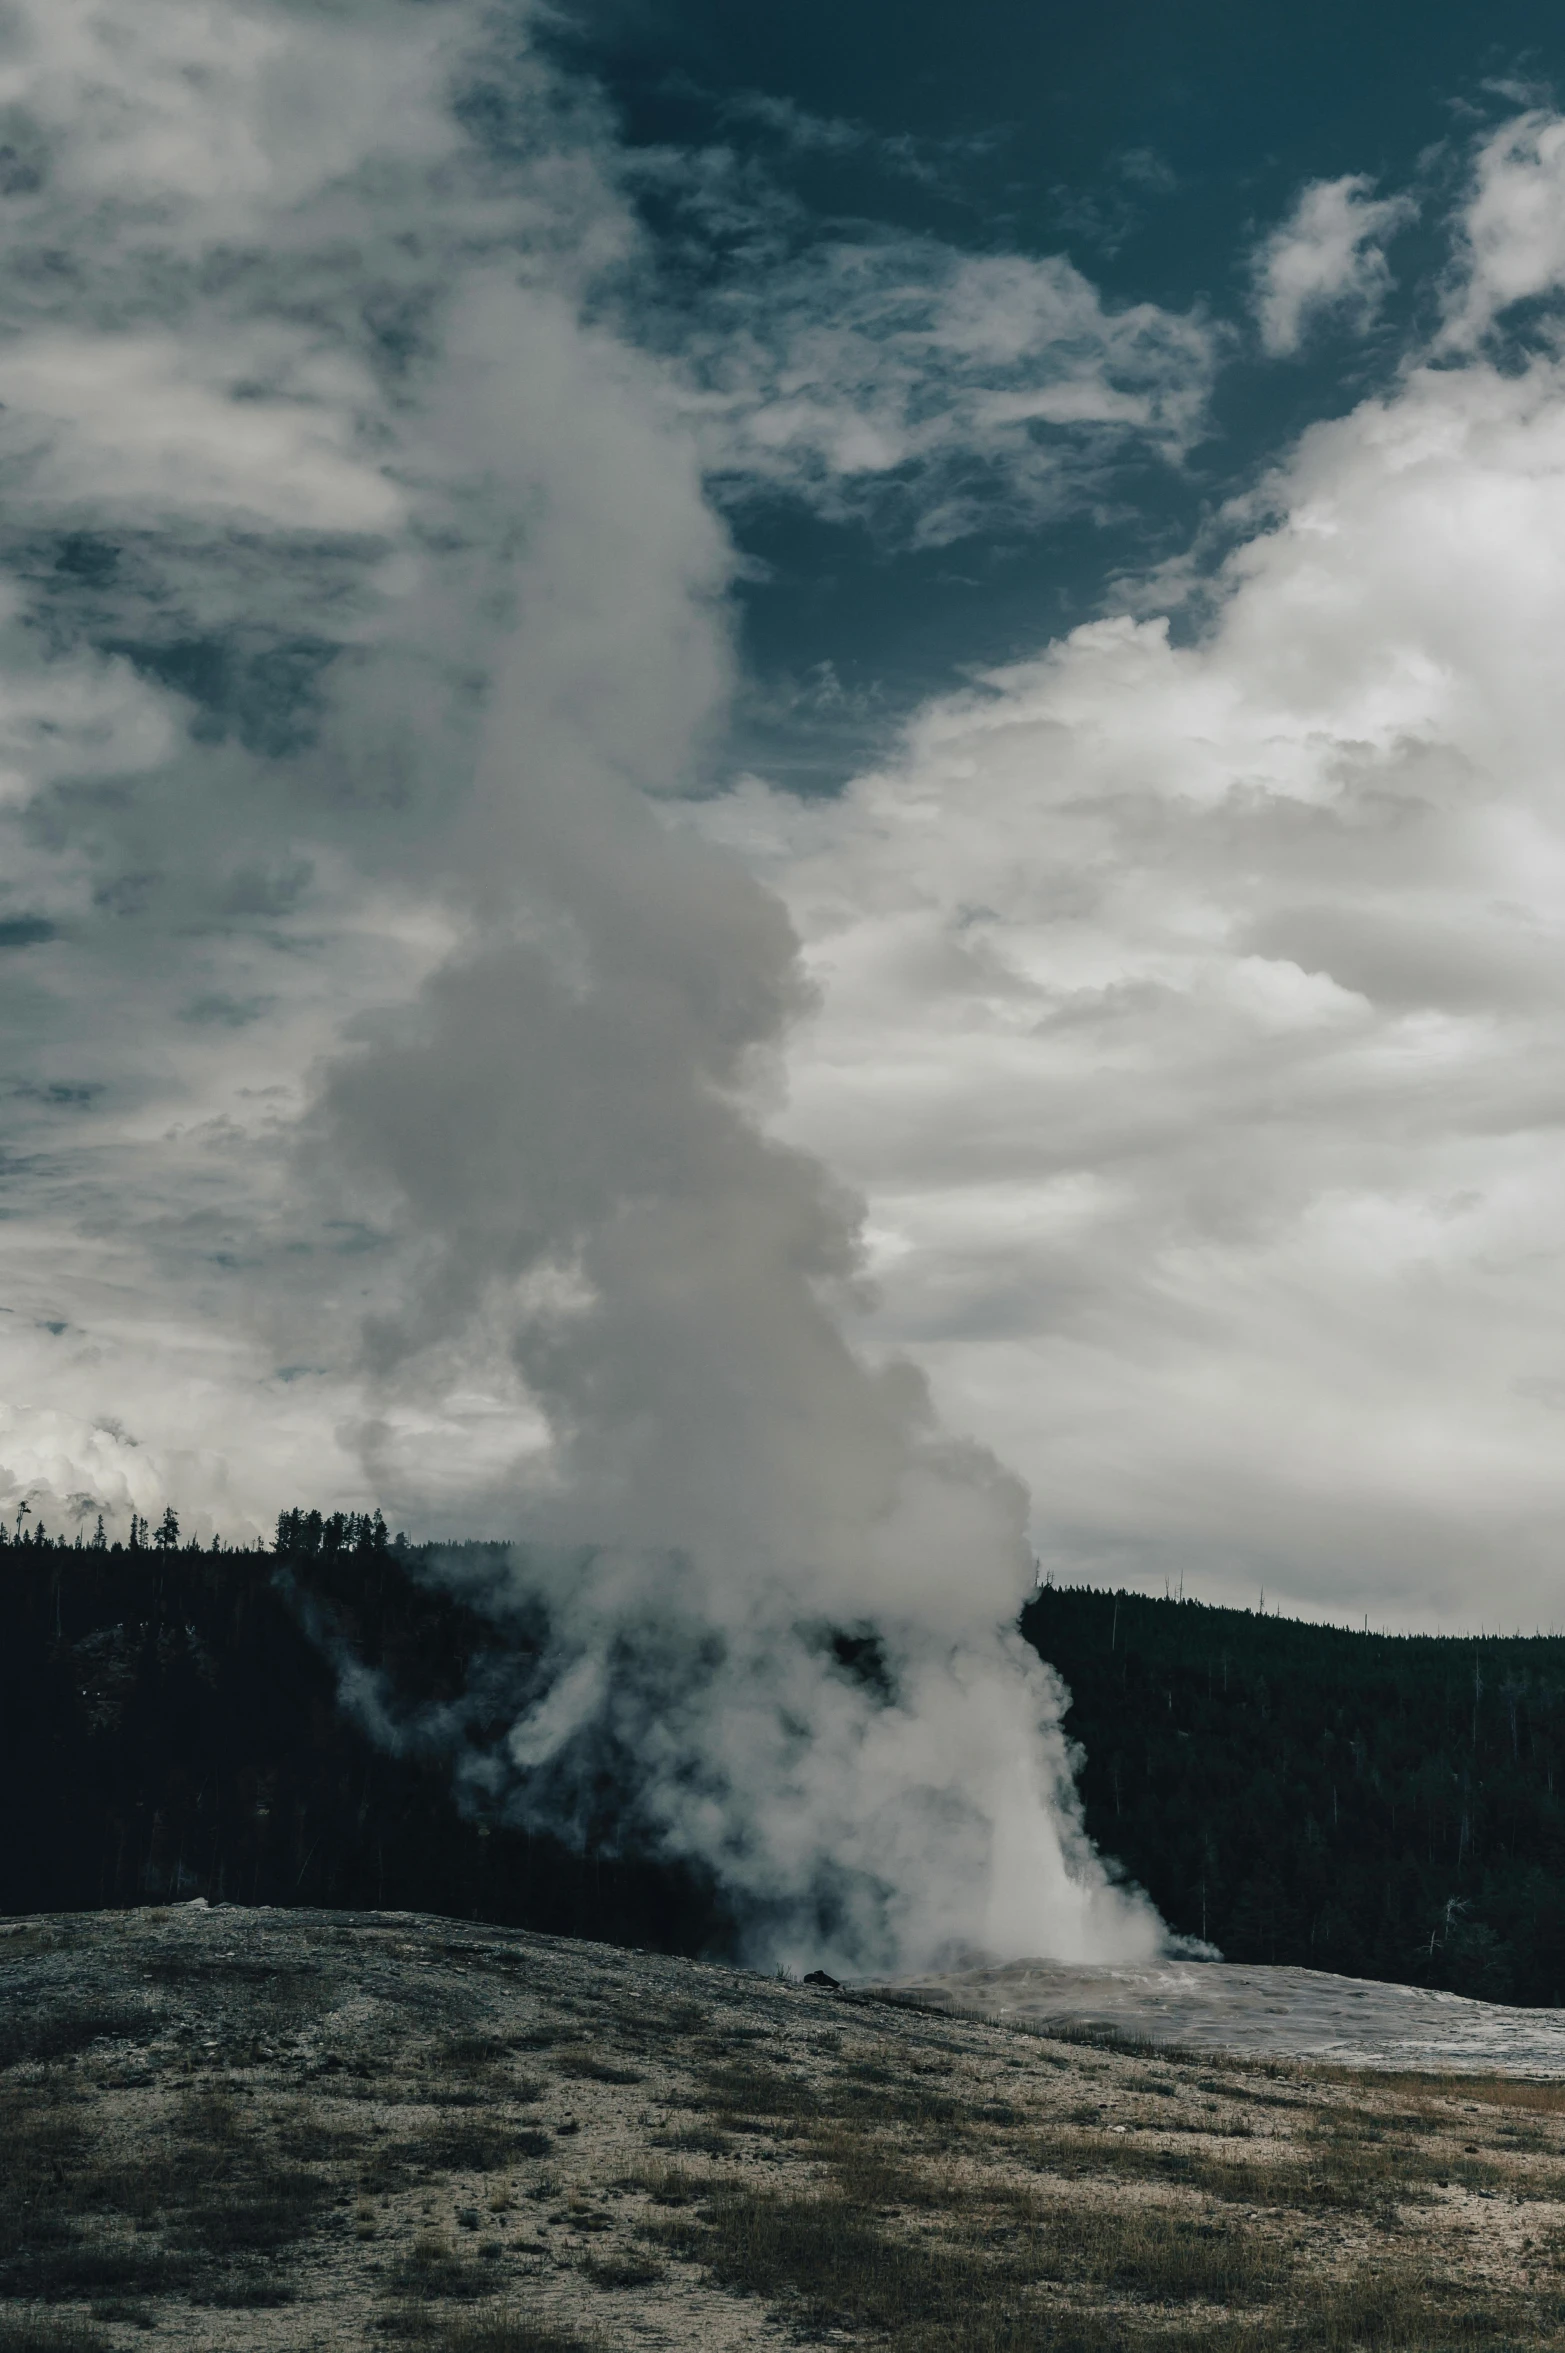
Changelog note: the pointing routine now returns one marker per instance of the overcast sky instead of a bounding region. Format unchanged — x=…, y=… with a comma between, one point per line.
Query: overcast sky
x=1066, y=510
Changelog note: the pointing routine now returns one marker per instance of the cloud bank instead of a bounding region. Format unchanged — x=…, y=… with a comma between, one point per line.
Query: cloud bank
x=1190, y=1014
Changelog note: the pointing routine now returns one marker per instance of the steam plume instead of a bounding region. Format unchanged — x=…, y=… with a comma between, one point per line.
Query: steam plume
x=366, y=621
x=565, y=1130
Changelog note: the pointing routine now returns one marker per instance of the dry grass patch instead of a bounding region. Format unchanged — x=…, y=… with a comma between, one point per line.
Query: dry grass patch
x=587, y=2067
x=821, y=2260
x=507, y=2332
x=676, y=2023
x=741, y=2090
x=877, y=2173
x=43, y=2137
x=433, y=2270
x=861, y=2094
x=60, y=2033
x=24, y=2333
x=1338, y=2161
x=1161, y=2254
x=475, y=2144
x=825, y=2260
x=634, y=2269
x=668, y=2185
x=473, y=2054
x=694, y=2140
x=151, y=2216
x=1460, y=2091
x=1402, y=2307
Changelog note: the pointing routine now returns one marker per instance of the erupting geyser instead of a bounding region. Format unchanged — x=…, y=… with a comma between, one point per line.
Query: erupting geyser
x=564, y=1129
x=340, y=419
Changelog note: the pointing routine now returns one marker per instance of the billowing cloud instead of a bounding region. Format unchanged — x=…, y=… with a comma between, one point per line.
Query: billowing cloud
x=1326, y=258
x=1190, y=1016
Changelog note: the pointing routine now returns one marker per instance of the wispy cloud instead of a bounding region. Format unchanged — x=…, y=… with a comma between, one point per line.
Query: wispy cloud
x=1326, y=260
x=901, y=154
x=930, y=389
x=1512, y=249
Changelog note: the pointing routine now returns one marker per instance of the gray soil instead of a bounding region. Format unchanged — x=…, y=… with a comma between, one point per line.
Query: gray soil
x=277, y=2129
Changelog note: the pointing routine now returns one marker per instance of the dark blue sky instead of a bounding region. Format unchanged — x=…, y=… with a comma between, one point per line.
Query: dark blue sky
x=1152, y=145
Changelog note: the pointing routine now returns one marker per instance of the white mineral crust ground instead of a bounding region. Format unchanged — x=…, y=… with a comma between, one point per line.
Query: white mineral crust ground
x=1285, y=2013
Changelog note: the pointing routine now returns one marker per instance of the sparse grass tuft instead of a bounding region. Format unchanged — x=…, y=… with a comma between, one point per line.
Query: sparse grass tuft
x=588, y=2068
x=868, y=2172
x=696, y=2140
x=823, y=2262
x=1164, y=2255
x=475, y=2144
x=60, y=2033
x=473, y=2054
x=1390, y=2309
x=623, y=2270
x=58, y=2269
x=44, y=2142
x=432, y=2268
x=676, y=2023
x=251, y=2221
x=669, y=2185
x=507, y=2332
x=742, y=2089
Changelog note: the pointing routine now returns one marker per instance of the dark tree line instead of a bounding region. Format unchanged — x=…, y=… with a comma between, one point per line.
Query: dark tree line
x=1391, y=1806
x=169, y=1727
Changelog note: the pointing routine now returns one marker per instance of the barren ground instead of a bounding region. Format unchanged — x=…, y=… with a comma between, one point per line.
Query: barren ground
x=242, y=2129
x=1271, y=2013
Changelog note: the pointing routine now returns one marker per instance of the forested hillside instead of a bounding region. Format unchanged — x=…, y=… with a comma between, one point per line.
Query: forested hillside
x=1392, y=1806
x=169, y=1726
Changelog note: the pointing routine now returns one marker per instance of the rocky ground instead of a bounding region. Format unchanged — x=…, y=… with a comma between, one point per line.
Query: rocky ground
x=269, y=2129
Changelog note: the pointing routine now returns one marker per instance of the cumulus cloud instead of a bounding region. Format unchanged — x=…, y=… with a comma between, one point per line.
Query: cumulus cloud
x=1190, y=1018
x=1326, y=258
x=62, y=1473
